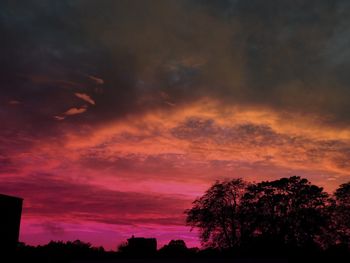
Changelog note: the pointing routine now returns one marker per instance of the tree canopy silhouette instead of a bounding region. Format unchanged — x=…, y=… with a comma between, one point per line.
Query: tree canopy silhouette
x=341, y=215
x=218, y=215
x=288, y=212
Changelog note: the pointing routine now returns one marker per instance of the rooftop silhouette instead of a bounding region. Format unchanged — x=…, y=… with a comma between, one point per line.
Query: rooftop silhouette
x=139, y=246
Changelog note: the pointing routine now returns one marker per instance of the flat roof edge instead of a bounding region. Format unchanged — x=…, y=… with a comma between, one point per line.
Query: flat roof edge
x=11, y=196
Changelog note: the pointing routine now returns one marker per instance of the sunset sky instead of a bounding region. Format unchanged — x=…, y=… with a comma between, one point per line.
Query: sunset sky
x=116, y=115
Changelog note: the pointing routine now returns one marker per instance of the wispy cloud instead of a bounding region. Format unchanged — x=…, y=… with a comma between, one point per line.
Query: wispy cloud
x=75, y=111
x=59, y=118
x=85, y=97
x=97, y=80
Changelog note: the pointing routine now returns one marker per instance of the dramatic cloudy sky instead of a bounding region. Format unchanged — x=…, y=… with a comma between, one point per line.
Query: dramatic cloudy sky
x=116, y=115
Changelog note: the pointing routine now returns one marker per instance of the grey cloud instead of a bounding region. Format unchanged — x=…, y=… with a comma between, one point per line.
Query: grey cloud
x=137, y=166
x=295, y=149
x=246, y=133
x=276, y=54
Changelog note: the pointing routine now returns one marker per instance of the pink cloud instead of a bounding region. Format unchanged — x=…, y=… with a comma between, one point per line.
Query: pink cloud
x=97, y=80
x=137, y=176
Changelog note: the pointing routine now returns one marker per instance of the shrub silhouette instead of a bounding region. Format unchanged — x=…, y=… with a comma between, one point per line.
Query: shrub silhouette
x=175, y=248
x=59, y=251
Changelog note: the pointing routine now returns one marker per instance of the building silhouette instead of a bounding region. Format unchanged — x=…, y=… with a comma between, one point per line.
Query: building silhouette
x=142, y=246
x=10, y=218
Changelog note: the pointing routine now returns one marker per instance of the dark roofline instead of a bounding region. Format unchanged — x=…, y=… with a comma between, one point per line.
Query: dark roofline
x=12, y=197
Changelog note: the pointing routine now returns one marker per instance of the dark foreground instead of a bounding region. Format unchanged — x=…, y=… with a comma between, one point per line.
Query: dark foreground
x=188, y=261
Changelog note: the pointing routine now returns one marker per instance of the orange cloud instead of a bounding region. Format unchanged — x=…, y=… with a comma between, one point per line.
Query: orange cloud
x=75, y=111
x=177, y=152
x=245, y=142
x=85, y=97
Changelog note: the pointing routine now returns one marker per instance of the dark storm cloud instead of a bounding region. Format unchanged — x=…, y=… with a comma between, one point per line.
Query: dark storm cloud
x=133, y=56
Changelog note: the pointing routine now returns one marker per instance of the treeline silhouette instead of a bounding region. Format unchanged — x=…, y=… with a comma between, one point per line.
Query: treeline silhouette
x=288, y=216
x=285, y=218
x=59, y=251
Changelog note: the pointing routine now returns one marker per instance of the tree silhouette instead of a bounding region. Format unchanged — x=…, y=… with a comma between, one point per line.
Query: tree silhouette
x=289, y=211
x=341, y=214
x=175, y=248
x=217, y=214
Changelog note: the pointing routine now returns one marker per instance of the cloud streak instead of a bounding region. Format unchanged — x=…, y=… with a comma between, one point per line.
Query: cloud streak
x=85, y=97
x=91, y=203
